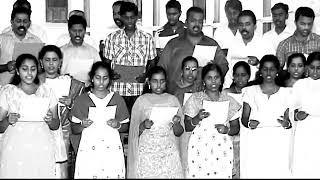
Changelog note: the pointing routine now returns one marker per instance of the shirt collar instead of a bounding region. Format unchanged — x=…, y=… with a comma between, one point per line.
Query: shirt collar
x=27, y=36
x=310, y=36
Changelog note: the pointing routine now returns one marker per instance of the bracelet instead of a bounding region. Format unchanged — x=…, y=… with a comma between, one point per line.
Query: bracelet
x=119, y=126
x=192, y=123
x=296, y=116
x=289, y=126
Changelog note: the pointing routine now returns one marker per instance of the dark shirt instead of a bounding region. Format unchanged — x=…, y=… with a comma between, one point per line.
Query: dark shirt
x=179, y=48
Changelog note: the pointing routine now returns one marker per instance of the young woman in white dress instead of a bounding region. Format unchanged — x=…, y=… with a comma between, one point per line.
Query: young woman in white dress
x=306, y=108
x=265, y=145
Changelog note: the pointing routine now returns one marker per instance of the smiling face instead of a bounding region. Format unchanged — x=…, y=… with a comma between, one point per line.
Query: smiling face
x=20, y=24
x=101, y=79
x=51, y=63
x=246, y=27
x=158, y=83
x=28, y=71
x=304, y=25
x=116, y=15
x=212, y=81
x=241, y=77
x=314, y=69
x=296, y=68
x=77, y=32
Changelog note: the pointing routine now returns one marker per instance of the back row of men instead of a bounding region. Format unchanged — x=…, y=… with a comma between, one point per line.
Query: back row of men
x=131, y=51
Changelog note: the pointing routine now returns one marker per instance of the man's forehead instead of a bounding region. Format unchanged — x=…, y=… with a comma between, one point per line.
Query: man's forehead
x=21, y=16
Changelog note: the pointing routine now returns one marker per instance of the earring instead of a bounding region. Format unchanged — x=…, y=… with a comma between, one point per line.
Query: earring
x=149, y=86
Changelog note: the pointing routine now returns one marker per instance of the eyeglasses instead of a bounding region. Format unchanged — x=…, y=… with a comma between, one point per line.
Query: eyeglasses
x=187, y=68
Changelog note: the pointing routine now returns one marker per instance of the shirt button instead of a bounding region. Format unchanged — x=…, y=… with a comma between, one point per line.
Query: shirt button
x=93, y=148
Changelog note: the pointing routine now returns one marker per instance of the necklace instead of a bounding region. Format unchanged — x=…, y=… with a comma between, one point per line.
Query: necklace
x=216, y=98
x=238, y=91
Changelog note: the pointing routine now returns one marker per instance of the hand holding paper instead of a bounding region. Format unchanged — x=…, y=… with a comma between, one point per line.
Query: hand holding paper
x=204, y=54
x=162, y=116
x=218, y=111
x=102, y=114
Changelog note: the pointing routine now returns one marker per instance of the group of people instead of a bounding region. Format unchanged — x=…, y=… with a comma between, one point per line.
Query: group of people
x=249, y=111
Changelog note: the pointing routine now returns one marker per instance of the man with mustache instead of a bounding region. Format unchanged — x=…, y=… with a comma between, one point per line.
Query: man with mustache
x=250, y=47
x=78, y=56
x=65, y=38
x=280, y=31
x=116, y=14
x=303, y=40
x=225, y=34
x=179, y=48
x=173, y=27
x=34, y=28
x=20, y=23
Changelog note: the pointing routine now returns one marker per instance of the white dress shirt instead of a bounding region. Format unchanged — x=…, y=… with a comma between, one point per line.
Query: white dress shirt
x=239, y=51
x=276, y=38
x=224, y=36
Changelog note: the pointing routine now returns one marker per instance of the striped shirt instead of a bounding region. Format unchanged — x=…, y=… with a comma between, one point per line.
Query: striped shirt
x=292, y=45
x=134, y=51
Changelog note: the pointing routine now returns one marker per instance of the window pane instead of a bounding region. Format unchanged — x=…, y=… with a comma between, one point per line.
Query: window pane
x=56, y=11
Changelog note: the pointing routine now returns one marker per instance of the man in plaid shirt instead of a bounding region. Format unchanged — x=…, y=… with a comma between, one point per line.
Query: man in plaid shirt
x=131, y=49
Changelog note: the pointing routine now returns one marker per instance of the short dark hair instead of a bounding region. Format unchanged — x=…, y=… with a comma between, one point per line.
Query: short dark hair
x=296, y=55
x=283, y=6
x=173, y=4
x=213, y=67
x=50, y=48
x=248, y=13
x=150, y=73
x=97, y=65
x=117, y=3
x=194, y=9
x=22, y=3
x=75, y=19
x=128, y=7
x=312, y=57
x=234, y=4
x=304, y=11
x=20, y=59
x=243, y=64
x=19, y=10
x=187, y=59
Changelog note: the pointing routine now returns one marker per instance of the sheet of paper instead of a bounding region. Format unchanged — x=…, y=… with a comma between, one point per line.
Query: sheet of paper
x=60, y=87
x=162, y=41
x=186, y=97
x=162, y=115
x=33, y=109
x=23, y=48
x=102, y=114
x=128, y=73
x=80, y=68
x=218, y=111
x=204, y=54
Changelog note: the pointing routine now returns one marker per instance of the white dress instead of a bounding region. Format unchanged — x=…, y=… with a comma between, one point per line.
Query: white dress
x=210, y=154
x=306, y=148
x=27, y=148
x=265, y=150
x=100, y=153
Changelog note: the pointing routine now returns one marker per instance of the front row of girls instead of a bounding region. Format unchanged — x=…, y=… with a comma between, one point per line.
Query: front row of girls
x=277, y=125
